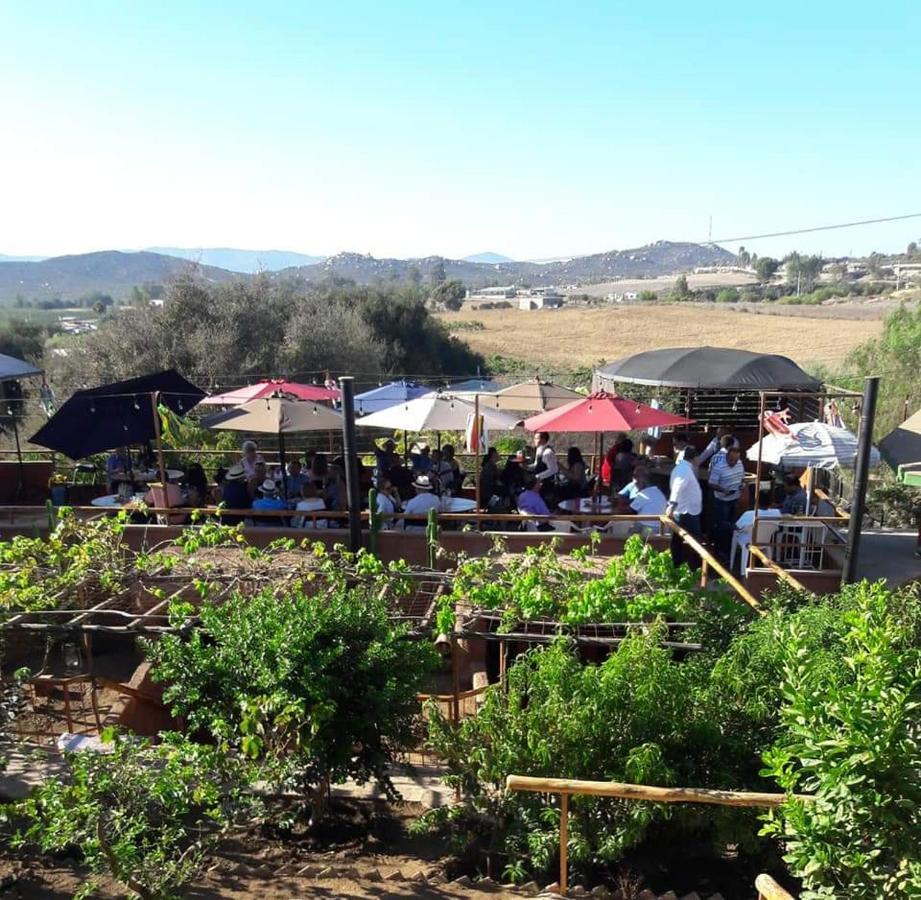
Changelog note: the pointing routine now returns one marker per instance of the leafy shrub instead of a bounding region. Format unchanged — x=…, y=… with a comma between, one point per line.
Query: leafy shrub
x=638, y=717
x=727, y=295
x=638, y=585
x=145, y=814
x=319, y=683
x=852, y=739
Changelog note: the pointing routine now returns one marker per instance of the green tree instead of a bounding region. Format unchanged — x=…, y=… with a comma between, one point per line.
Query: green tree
x=438, y=275
x=681, y=290
x=449, y=294
x=802, y=270
x=874, y=264
x=912, y=250
x=727, y=295
x=765, y=267
x=744, y=258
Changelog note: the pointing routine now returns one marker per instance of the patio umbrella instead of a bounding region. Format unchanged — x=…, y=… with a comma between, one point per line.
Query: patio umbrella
x=115, y=415
x=533, y=395
x=435, y=412
x=810, y=445
x=901, y=448
x=603, y=412
x=11, y=370
x=279, y=415
x=269, y=387
x=385, y=395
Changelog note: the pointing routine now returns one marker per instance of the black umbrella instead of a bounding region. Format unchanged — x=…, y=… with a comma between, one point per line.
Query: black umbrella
x=116, y=415
x=11, y=370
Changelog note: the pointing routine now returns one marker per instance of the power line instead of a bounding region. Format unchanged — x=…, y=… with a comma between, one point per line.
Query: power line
x=753, y=237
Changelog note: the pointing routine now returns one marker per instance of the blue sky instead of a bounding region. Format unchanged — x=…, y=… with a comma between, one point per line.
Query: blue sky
x=532, y=129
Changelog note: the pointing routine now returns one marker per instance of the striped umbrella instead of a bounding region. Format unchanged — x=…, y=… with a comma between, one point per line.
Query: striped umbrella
x=810, y=444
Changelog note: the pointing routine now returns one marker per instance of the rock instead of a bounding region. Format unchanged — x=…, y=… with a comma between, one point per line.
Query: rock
x=463, y=881
x=529, y=887
x=671, y=895
x=601, y=892
x=646, y=894
x=578, y=891
x=716, y=897
x=486, y=883
x=437, y=878
x=418, y=876
x=692, y=896
x=308, y=871
x=326, y=872
x=374, y=875
x=394, y=876
x=552, y=888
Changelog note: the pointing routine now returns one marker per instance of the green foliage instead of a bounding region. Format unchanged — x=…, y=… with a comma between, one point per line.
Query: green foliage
x=638, y=717
x=648, y=296
x=146, y=814
x=636, y=586
x=318, y=682
x=449, y=294
x=765, y=267
x=681, y=290
x=851, y=738
x=802, y=270
x=727, y=295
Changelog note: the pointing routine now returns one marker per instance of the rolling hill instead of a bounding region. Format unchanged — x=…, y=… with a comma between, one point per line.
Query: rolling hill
x=109, y=271
x=244, y=261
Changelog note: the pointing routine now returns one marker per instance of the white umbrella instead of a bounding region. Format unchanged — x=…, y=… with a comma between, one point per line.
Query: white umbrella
x=435, y=412
x=531, y=396
x=810, y=444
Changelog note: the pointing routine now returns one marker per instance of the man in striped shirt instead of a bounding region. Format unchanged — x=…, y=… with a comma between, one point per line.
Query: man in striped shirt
x=726, y=476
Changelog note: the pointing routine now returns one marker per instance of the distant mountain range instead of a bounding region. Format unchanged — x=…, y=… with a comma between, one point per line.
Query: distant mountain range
x=488, y=257
x=115, y=272
x=246, y=261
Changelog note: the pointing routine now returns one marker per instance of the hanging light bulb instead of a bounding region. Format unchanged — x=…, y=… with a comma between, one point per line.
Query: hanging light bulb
x=136, y=404
x=735, y=404
x=180, y=405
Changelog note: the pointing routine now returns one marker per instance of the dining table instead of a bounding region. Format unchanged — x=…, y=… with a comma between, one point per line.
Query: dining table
x=588, y=505
x=456, y=505
x=114, y=501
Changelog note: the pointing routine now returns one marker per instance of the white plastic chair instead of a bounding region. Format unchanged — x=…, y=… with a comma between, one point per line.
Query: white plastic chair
x=801, y=545
x=742, y=540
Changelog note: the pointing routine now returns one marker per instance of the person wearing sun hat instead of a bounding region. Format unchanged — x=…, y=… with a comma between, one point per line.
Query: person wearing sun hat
x=235, y=492
x=270, y=500
x=420, y=505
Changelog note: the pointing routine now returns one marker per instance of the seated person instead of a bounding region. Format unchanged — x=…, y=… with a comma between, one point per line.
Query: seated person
x=492, y=489
x=766, y=510
x=269, y=499
x=310, y=501
x=382, y=458
x=454, y=480
x=400, y=477
x=169, y=497
x=530, y=501
x=255, y=481
x=235, y=493
x=388, y=502
x=648, y=499
x=632, y=488
x=794, y=502
x=513, y=475
x=421, y=503
x=196, y=486
x=576, y=475
x=118, y=468
x=295, y=478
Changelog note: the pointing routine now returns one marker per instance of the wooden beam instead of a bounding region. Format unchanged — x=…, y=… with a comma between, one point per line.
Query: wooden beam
x=645, y=792
x=768, y=889
x=781, y=573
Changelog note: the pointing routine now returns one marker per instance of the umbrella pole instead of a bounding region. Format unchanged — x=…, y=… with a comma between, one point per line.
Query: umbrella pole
x=346, y=386
x=476, y=449
x=281, y=459
x=861, y=477
x=596, y=463
x=154, y=403
x=757, y=505
x=22, y=468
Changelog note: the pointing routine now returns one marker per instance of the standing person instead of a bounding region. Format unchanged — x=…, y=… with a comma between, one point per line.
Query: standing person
x=249, y=458
x=685, y=502
x=295, y=478
x=610, y=457
x=721, y=442
x=382, y=457
x=454, y=479
x=421, y=503
x=680, y=443
x=726, y=476
x=545, y=468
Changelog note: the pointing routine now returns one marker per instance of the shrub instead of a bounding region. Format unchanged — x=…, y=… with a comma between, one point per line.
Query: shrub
x=852, y=739
x=321, y=685
x=145, y=814
x=727, y=295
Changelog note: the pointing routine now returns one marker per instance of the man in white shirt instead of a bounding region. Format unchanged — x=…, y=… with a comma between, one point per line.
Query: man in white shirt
x=685, y=502
x=545, y=466
x=726, y=477
x=420, y=505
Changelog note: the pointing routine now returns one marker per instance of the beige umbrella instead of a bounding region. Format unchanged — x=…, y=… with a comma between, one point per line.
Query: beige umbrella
x=533, y=395
x=276, y=415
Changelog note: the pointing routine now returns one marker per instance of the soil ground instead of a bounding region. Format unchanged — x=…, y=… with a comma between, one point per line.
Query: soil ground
x=568, y=338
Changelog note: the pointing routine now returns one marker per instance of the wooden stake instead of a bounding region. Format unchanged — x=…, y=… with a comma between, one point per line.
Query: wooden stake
x=564, y=840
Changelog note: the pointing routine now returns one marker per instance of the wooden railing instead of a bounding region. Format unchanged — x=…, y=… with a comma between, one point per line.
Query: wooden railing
x=567, y=787
x=768, y=889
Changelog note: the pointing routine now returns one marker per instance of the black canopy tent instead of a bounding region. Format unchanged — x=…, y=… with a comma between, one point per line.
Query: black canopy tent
x=715, y=385
x=116, y=415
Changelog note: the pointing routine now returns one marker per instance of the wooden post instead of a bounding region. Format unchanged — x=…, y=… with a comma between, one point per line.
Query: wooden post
x=155, y=408
x=455, y=683
x=758, y=469
x=476, y=449
x=564, y=841
x=703, y=573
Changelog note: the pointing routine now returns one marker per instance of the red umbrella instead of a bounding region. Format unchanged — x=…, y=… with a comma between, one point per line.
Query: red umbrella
x=271, y=386
x=603, y=412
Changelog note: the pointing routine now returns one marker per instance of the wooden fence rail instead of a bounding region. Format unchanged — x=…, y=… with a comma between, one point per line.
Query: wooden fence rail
x=567, y=787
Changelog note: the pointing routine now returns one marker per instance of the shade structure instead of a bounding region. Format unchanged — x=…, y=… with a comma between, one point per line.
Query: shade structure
x=115, y=415
x=386, y=395
x=277, y=414
x=901, y=448
x=272, y=386
x=810, y=445
x=11, y=368
x=601, y=412
x=436, y=413
x=533, y=395
x=473, y=386
x=707, y=368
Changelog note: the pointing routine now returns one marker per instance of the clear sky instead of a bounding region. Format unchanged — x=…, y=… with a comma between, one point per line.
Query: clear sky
x=533, y=129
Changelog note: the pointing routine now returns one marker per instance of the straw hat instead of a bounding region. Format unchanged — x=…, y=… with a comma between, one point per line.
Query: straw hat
x=236, y=473
x=423, y=483
x=268, y=486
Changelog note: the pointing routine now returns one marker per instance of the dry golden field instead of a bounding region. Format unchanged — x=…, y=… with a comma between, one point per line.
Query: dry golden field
x=583, y=336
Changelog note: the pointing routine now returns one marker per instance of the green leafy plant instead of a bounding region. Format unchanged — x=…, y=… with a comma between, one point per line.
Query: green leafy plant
x=145, y=814
x=317, y=683
x=851, y=739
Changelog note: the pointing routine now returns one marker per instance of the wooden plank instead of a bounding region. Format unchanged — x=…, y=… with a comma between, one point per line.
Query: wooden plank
x=768, y=889
x=781, y=573
x=644, y=792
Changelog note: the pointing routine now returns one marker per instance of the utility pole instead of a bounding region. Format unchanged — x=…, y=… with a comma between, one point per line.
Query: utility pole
x=352, y=486
x=861, y=477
